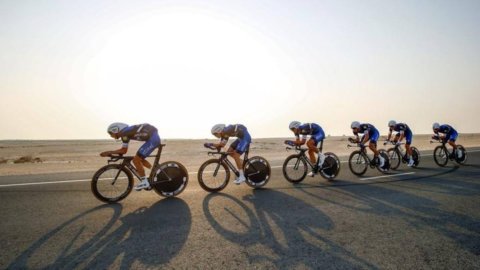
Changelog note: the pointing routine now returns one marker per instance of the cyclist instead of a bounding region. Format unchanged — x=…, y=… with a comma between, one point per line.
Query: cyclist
x=370, y=133
x=142, y=132
x=316, y=138
x=403, y=131
x=450, y=135
x=237, y=148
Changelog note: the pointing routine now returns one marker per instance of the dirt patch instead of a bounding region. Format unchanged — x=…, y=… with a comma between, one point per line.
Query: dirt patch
x=27, y=159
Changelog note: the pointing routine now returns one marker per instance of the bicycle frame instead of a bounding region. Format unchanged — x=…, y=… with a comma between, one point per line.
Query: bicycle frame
x=444, y=145
x=224, y=159
x=127, y=162
x=363, y=151
x=303, y=156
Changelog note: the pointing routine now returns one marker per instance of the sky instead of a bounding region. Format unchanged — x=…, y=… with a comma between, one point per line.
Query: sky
x=70, y=68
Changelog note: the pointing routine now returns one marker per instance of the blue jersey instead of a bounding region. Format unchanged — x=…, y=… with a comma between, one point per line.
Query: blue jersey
x=366, y=129
x=450, y=133
x=141, y=132
x=242, y=143
x=238, y=130
x=312, y=129
x=402, y=128
x=446, y=129
x=369, y=129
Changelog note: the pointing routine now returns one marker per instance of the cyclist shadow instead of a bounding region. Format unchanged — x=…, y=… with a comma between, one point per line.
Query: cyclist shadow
x=419, y=211
x=291, y=231
x=150, y=235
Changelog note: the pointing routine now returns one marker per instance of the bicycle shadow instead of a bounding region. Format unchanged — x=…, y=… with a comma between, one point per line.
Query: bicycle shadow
x=419, y=211
x=278, y=222
x=149, y=235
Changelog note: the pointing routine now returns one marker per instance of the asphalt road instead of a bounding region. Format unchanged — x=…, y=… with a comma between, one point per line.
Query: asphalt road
x=421, y=218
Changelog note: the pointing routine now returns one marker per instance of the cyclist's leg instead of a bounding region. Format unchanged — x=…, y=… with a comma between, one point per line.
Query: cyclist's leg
x=145, y=150
x=233, y=152
x=451, y=140
x=312, y=150
x=373, y=142
x=397, y=136
x=408, y=143
x=240, y=148
x=373, y=146
x=318, y=139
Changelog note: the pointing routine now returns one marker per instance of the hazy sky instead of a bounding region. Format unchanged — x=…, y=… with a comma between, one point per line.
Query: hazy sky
x=70, y=68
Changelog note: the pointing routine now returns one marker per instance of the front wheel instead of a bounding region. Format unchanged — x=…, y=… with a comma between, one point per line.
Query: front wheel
x=257, y=172
x=461, y=155
x=394, y=157
x=330, y=167
x=440, y=155
x=294, y=169
x=213, y=175
x=358, y=163
x=170, y=179
x=112, y=183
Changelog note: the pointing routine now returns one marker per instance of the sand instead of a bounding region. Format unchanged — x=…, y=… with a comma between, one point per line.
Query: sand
x=83, y=155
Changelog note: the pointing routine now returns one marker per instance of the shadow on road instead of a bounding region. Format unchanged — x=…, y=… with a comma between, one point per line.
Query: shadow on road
x=151, y=235
x=421, y=212
x=273, y=229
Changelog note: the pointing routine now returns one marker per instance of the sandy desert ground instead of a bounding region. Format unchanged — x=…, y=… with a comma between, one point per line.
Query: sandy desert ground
x=83, y=155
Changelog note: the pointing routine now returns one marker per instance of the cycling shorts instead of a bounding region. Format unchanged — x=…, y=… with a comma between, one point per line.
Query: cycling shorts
x=147, y=148
x=317, y=137
x=452, y=136
x=373, y=135
x=241, y=145
x=408, y=137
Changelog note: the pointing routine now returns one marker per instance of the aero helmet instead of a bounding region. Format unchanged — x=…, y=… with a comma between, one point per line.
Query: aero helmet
x=217, y=129
x=294, y=124
x=116, y=127
x=355, y=124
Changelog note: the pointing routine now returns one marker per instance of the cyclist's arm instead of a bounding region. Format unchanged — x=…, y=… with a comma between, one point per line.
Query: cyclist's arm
x=365, y=138
x=299, y=141
x=120, y=151
x=389, y=135
x=222, y=143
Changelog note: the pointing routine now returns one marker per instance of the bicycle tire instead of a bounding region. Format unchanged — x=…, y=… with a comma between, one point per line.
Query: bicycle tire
x=463, y=159
x=386, y=165
x=331, y=166
x=440, y=156
x=257, y=172
x=298, y=162
x=223, y=178
x=395, y=158
x=171, y=179
x=416, y=157
x=125, y=187
x=356, y=159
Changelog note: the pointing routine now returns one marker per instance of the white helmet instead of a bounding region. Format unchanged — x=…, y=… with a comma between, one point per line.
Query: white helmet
x=355, y=124
x=392, y=123
x=116, y=127
x=294, y=124
x=436, y=126
x=217, y=128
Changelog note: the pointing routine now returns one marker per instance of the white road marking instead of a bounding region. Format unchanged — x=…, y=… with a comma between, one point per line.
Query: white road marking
x=44, y=183
x=384, y=176
x=192, y=173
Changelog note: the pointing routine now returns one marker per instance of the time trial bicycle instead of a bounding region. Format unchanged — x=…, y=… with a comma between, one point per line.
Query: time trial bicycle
x=214, y=174
x=114, y=182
